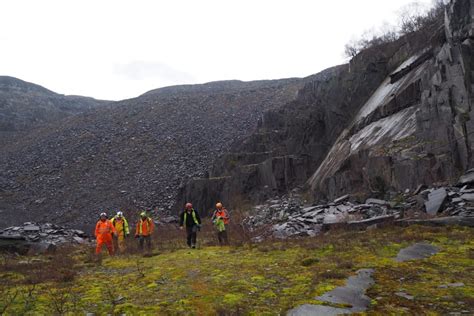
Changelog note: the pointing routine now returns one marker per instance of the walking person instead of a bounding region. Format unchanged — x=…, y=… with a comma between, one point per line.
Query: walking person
x=144, y=231
x=103, y=234
x=121, y=226
x=190, y=219
x=220, y=219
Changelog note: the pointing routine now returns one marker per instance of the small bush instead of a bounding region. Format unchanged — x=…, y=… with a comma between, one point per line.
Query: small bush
x=309, y=261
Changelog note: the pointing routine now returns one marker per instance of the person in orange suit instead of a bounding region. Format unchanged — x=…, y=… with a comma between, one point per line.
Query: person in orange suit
x=104, y=230
x=144, y=230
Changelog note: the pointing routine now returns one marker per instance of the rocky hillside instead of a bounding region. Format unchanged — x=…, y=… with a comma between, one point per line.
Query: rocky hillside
x=25, y=106
x=135, y=154
x=397, y=116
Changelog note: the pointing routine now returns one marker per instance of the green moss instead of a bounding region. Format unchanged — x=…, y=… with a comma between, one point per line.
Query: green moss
x=246, y=280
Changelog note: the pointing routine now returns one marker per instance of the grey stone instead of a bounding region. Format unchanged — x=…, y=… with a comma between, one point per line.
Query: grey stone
x=331, y=219
x=457, y=284
x=309, y=209
x=416, y=251
x=342, y=198
x=31, y=228
x=377, y=201
x=436, y=200
x=371, y=221
x=353, y=294
x=405, y=295
x=316, y=310
x=468, y=197
x=79, y=240
x=467, y=178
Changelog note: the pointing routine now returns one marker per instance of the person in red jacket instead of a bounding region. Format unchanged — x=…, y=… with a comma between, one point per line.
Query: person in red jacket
x=104, y=230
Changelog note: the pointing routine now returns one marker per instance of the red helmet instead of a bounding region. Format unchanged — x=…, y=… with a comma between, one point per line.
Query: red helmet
x=189, y=206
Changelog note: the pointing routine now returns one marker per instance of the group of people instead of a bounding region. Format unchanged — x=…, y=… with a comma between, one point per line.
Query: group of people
x=112, y=233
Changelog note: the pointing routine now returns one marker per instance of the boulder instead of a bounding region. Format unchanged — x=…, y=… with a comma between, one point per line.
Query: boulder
x=436, y=201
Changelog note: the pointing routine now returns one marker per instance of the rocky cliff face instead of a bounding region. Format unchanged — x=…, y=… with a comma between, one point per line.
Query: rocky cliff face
x=134, y=154
x=397, y=116
x=25, y=106
x=417, y=127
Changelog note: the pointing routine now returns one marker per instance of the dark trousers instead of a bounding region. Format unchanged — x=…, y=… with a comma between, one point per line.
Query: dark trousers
x=222, y=237
x=143, y=239
x=191, y=235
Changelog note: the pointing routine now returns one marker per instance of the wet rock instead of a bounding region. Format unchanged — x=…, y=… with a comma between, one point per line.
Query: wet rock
x=416, y=251
x=353, y=293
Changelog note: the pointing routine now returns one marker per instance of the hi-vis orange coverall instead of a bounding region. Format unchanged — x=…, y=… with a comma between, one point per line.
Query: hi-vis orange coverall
x=103, y=234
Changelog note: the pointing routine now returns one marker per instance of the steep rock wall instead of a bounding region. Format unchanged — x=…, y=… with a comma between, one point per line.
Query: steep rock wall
x=416, y=128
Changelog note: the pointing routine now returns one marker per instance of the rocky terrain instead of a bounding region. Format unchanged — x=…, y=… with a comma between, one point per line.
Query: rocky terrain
x=396, y=117
x=291, y=216
x=32, y=238
x=134, y=154
x=25, y=106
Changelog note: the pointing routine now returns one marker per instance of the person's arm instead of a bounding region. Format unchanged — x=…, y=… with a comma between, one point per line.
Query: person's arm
x=126, y=227
x=226, y=214
x=181, y=219
x=112, y=227
x=152, y=226
x=96, y=232
x=213, y=216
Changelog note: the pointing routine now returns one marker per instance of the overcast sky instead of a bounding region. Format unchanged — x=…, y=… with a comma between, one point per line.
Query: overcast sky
x=112, y=49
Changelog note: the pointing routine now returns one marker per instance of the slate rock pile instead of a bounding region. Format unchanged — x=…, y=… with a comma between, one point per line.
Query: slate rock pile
x=38, y=238
x=288, y=216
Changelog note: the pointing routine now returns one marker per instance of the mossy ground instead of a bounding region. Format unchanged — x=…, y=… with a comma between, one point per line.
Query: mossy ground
x=250, y=279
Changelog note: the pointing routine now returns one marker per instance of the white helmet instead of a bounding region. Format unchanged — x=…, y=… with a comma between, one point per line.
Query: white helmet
x=103, y=214
x=119, y=214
